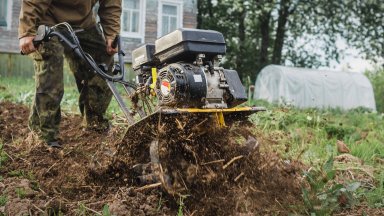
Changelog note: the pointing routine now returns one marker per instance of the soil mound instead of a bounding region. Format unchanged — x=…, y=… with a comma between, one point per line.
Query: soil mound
x=213, y=172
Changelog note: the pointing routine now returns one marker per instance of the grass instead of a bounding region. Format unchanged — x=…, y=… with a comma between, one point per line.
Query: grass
x=21, y=90
x=3, y=200
x=311, y=135
x=20, y=192
x=3, y=155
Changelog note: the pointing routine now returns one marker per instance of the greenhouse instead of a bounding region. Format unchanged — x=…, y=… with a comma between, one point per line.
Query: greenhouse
x=310, y=88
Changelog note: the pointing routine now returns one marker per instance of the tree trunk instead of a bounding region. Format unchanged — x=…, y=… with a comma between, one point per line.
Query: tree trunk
x=241, y=33
x=264, y=20
x=280, y=31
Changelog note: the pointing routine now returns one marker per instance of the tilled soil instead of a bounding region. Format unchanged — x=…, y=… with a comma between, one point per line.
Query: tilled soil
x=213, y=172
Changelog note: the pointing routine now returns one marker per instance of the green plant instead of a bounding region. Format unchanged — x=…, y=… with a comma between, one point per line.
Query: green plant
x=160, y=203
x=82, y=210
x=35, y=185
x=376, y=77
x=20, y=192
x=338, y=131
x=16, y=173
x=181, y=206
x=3, y=155
x=375, y=197
x=323, y=196
x=3, y=200
x=106, y=211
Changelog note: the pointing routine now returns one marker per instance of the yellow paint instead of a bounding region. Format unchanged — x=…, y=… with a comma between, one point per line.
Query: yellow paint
x=197, y=110
x=154, y=78
x=220, y=119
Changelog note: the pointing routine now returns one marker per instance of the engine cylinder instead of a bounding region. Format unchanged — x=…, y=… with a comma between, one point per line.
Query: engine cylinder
x=181, y=85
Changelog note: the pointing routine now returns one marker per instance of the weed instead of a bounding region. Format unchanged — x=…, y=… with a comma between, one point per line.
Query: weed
x=338, y=131
x=3, y=155
x=160, y=203
x=106, y=211
x=20, y=192
x=376, y=196
x=81, y=211
x=323, y=196
x=35, y=185
x=16, y=173
x=3, y=200
x=181, y=206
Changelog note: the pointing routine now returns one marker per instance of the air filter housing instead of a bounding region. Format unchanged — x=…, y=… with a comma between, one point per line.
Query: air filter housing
x=184, y=44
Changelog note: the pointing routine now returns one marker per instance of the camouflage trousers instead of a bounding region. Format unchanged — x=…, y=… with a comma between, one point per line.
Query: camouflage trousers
x=95, y=95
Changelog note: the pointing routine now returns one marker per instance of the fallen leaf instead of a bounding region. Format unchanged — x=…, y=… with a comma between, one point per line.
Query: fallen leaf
x=342, y=147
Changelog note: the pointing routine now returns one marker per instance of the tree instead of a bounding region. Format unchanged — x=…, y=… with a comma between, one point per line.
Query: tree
x=376, y=77
x=293, y=32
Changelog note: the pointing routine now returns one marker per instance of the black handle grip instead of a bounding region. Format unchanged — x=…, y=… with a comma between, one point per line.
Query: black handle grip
x=42, y=34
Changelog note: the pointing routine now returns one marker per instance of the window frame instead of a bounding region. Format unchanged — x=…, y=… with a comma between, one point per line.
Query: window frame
x=141, y=34
x=8, y=17
x=180, y=14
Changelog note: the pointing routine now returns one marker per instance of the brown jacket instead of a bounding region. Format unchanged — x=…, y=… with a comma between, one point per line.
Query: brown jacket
x=77, y=13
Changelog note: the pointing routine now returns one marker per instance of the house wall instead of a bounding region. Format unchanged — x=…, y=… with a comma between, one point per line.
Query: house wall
x=12, y=63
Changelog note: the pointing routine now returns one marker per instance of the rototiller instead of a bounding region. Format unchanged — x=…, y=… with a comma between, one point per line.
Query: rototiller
x=177, y=77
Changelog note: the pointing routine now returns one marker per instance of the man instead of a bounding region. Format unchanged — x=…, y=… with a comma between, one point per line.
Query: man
x=48, y=60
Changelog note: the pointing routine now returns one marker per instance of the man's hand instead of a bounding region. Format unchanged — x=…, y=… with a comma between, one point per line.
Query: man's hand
x=26, y=45
x=110, y=50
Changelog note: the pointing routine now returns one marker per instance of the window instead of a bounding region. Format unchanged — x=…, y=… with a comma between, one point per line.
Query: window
x=170, y=16
x=132, y=23
x=5, y=13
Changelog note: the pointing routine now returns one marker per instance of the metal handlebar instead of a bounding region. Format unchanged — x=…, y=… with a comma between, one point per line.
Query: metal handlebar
x=45, y=33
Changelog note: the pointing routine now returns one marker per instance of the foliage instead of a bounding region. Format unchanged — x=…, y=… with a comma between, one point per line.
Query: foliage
x=376, y=196
x=82, y=210
x=310, y=135
x=294, y=32
x=323, y=196
x=181, y=206
x=20, y=192
x=3, y=155
x=106, y=211
x=16, y=173
x=3, y=200
x=338, y=131
x=20, y=90
x=376, y=77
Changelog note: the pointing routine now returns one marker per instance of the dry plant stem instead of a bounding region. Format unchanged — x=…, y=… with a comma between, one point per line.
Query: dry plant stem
x=49, y=201
x=212, y=162
x=50, y=167
x=89, y=209
x=239, y=176
x=9, y=155
x=148, y=186
x=355, y=168
x=38, y=208
x=232, y=160
x=101, y=201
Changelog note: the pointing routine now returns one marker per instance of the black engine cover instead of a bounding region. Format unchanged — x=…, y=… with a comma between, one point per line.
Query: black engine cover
x=181, y=85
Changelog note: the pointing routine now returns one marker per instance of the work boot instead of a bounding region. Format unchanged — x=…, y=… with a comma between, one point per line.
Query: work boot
x=100, y=125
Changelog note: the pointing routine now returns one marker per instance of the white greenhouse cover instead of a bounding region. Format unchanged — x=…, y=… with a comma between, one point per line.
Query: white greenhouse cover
x=309, y=88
